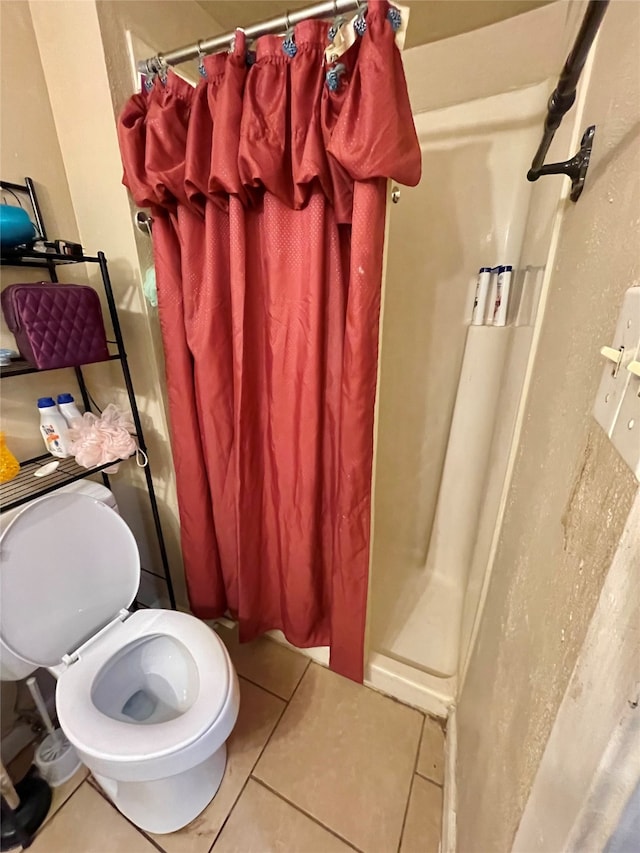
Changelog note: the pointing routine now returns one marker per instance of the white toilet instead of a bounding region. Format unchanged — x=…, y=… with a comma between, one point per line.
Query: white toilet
x=149, y=698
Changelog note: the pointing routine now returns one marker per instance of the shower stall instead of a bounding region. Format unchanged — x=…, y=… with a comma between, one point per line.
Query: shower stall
x=450, y=394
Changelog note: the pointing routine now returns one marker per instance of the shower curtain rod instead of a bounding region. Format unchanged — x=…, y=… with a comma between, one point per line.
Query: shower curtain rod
x=274, y=25
x=561, y=101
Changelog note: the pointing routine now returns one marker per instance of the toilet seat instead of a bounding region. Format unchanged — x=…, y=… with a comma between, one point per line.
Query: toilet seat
x=68, y=565
x=98, y=735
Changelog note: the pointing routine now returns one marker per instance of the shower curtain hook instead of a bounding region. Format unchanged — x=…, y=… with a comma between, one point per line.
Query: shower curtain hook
x=338, y=21
x=162, y=69
x=201, y=55
x=360, y=23
x=289, y=44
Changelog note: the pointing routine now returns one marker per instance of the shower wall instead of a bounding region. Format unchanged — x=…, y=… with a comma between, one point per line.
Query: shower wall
x=479, y=102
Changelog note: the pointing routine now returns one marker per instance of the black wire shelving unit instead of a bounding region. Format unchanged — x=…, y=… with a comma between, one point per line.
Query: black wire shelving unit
x=26, y=486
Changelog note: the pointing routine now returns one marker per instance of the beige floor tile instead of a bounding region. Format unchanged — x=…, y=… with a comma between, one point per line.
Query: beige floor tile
x=259, y=713
x=61, y=794
x=88, y=824
x=261, y=822
x=424, y=818
x=345, y=755
x=431, y=756
x=265, y=662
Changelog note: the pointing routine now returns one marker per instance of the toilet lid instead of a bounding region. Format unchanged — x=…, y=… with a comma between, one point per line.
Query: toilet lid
x=68, y=565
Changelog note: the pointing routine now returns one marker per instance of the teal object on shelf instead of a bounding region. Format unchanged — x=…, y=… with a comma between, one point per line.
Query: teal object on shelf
x=15, y=226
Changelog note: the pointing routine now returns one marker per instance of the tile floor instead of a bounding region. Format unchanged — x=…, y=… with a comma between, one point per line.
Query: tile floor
x=316, y=764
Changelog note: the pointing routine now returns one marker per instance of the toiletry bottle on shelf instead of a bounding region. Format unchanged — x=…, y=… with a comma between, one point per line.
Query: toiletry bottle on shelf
x=502, y=296
x=68, y=408
x=491, y=297
x=482, y=294
x=53, y=428
x=9, y=465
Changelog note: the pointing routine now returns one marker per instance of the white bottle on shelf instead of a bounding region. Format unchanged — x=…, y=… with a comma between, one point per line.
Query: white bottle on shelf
x=502, y=296
x=482, y=294
x=68, y=408
x=492, y=296
x=53, y=428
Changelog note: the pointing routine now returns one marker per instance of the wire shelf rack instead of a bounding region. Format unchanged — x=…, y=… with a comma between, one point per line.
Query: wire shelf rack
x=27, y=486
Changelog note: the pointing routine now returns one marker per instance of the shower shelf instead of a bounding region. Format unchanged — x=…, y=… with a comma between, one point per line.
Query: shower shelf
x=19, y=367
x=26, y=486
x=43, y=260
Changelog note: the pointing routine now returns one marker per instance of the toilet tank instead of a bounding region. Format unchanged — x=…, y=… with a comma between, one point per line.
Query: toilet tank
x=12, y=667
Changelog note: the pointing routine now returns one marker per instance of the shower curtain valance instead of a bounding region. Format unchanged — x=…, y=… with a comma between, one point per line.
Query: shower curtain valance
x=267, y=187
x=274, y=125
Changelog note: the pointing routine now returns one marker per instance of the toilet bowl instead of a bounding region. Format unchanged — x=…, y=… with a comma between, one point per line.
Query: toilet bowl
x=149, y=698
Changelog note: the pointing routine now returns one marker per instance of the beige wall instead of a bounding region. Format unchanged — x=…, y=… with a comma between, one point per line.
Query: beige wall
x=595, y=736
x=28, y=135
x=570, y=493
x=72, y=38
x=519, y=52
x=29, y=147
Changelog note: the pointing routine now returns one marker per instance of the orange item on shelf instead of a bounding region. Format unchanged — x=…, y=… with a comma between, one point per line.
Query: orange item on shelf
x=9, y=465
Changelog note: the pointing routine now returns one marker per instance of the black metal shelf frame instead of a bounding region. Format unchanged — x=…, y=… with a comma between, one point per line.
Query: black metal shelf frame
x=66, y=472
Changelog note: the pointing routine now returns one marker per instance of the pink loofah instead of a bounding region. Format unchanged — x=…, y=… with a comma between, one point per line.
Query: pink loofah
x=96, y=440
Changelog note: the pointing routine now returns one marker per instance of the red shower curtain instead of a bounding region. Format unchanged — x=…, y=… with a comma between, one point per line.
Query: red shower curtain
x=267, y=189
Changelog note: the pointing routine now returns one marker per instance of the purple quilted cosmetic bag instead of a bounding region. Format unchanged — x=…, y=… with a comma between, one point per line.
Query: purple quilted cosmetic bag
x=55, y=325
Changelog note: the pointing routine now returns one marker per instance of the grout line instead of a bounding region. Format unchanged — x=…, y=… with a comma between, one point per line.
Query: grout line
x=438, y=722
x=266, y=744
x=144, y=834
x=49, y=820
x=249, y=774
x=261, y=686
x=295, y=690
x=306, y=814
x=257, y=684
x=96, y=787
x=415, y=770
x=302, y=674
x=429, y=779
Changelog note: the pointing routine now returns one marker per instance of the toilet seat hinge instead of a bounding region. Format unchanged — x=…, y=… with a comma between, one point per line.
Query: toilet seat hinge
x=72, y=657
